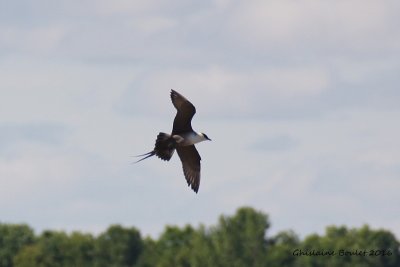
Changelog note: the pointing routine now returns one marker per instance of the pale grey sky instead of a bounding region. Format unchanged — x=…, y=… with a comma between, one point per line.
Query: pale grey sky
x=301, y=99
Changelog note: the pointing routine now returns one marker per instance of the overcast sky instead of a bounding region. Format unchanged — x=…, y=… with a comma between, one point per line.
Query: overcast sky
x=301, y=99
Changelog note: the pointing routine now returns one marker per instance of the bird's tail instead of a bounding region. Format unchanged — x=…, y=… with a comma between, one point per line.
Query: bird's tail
x=164, y=148
x=146, y=155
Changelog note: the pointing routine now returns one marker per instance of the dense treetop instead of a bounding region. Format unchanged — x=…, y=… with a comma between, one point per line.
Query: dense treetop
x=240, y=240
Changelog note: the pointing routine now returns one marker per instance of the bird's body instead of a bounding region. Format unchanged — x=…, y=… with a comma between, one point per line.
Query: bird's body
x=182, y=139
x=187, y=139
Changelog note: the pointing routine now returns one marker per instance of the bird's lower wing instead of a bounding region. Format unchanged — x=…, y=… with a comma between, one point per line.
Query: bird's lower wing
x=191, y=165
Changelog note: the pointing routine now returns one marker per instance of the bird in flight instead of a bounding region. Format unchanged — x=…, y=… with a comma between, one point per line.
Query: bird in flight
x=182, y=139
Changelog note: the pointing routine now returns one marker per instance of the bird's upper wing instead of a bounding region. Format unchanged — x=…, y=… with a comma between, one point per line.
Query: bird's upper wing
x=184, y=115
x=191, y=165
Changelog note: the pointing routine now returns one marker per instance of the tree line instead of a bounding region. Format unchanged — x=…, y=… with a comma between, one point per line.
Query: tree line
x=239, y=240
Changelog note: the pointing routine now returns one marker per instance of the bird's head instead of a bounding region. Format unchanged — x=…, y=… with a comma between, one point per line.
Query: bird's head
x=205, y=137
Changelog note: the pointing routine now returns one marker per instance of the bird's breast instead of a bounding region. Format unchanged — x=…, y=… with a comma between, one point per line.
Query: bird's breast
x=190, y=139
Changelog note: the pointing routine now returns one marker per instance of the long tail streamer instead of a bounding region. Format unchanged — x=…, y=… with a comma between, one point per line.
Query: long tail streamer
x=146, y=155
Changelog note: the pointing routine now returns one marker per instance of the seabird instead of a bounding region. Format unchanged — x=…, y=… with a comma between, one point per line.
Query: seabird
x=182, y=139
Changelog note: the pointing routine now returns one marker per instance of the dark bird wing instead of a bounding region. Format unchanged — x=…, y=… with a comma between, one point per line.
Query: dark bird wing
x=191, y=165
x=184, y=115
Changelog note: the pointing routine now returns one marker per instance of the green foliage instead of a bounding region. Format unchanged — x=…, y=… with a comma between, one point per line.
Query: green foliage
x=12, y=239
x=175, y=247
x=54, y=249
x=241, y=240
x=281, y=248
x=235, y=241
x=353, y=247
x=118, y=246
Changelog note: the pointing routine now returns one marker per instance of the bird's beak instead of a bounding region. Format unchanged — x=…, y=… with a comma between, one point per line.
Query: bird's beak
x=208, y=139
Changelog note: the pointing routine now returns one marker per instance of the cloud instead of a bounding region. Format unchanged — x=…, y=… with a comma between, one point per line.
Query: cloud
x=15, y=136
x=274, y=143
x=296, y=24
x=326, y=167
x=35, y=40
x=227, y=93
x=62, y=92
x=152, y=25
x=86, y=85
x=119, y=8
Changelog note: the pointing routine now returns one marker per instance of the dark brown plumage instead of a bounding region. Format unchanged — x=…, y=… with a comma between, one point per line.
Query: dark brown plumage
x=182, y=139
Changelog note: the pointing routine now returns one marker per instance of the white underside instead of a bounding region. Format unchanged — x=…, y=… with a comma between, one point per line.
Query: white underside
x=189, y=139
